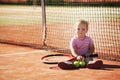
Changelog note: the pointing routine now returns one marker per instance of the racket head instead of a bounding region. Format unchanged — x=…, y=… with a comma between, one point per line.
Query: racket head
x=56, y=58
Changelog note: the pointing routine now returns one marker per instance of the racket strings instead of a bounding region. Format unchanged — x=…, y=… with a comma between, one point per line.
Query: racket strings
x=65, y=50
x=56, y=59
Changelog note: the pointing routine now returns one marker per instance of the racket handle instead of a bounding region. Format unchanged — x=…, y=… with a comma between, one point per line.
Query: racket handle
x=92, y=55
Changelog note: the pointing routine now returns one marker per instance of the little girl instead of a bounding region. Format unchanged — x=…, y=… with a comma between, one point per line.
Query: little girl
x=82, y=45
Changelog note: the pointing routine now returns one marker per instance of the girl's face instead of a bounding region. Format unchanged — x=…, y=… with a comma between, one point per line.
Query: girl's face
x=81, y=30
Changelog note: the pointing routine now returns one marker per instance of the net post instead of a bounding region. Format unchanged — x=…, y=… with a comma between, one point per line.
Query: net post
x=34, y=3
x=43, y=20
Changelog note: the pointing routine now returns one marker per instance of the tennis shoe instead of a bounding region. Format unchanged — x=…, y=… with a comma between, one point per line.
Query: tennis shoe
x=95, y=64
x=66, y=65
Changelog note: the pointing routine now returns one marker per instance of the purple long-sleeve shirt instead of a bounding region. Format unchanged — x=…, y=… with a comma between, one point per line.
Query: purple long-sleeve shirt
x=81, y=46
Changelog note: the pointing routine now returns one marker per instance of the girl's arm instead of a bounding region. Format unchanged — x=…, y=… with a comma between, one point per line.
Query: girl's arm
x=72, y=49
x=74, y=53
x=91, y=50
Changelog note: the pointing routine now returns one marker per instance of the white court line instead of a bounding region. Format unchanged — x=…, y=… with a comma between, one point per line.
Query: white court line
x=21, y=53
x=24, y=9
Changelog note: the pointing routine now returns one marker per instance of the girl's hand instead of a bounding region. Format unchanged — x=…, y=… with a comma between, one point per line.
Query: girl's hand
x=80, y=58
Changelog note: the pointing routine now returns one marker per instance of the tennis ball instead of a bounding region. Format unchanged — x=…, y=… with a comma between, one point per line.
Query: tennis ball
x=76, y=64
x=82, y=63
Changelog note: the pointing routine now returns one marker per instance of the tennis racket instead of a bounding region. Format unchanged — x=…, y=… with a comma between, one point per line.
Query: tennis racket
x=57, y=58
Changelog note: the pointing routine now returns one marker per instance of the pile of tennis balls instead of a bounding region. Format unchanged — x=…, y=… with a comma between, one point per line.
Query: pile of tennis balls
x=79, y=64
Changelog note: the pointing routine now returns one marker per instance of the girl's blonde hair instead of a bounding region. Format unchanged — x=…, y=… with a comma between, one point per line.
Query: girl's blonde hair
x=82, y=22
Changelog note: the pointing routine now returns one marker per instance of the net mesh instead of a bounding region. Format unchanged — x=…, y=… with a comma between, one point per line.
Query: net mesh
x=22, y=25
x=104, y=28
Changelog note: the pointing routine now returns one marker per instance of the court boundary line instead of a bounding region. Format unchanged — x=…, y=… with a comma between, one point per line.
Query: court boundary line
x=24, y=53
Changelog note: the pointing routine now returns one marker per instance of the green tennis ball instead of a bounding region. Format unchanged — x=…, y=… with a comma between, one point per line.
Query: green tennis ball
x=82, y=63
x=76, y=64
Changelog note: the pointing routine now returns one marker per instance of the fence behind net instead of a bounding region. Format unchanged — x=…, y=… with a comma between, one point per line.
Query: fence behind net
x=104, y=28
x=21, y=25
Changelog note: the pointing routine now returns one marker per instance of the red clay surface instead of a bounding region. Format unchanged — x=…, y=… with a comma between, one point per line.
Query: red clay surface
x=15, y=34
x=23, y=63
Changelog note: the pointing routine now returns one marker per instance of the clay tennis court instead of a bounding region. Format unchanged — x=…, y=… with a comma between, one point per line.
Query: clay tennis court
x=21, y=25
x=23, y=63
